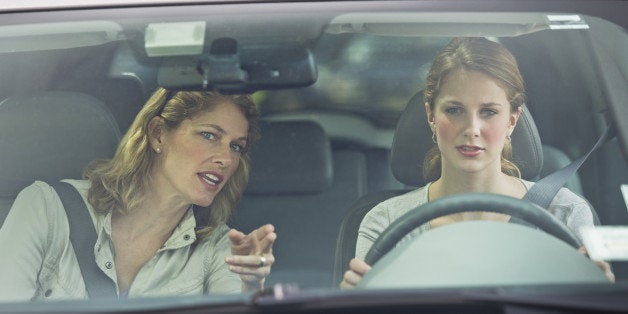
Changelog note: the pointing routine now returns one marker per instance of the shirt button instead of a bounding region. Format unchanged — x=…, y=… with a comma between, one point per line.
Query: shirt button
x=108, y=265
x=48, y=293
x=186, y=237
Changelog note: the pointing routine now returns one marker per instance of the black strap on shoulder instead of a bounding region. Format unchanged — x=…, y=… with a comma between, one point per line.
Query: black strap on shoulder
x=83, y=237
x=543, y=191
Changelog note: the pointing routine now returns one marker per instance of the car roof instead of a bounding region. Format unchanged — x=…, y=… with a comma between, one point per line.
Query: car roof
x=28, y=5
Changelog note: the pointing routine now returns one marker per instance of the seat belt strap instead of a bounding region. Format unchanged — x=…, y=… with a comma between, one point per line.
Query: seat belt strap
x=83, y=237
x=543, y=191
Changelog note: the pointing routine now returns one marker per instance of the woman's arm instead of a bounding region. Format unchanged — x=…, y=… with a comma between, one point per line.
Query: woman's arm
x=24, y=239
x=372, y=225
x=219, y=279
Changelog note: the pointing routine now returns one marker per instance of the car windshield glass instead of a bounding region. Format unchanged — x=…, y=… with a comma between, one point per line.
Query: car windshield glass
x=367, y=149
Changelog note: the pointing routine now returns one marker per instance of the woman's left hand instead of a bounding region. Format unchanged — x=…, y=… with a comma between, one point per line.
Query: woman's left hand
x=252, y=256
x=604, y=266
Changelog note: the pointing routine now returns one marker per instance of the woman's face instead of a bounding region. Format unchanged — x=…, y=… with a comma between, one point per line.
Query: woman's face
x=201, y=155
x=472, y=120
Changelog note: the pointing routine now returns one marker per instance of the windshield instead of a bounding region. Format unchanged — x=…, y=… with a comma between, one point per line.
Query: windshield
x=229, y=151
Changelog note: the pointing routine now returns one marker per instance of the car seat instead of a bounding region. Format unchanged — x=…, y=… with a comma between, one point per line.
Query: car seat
x=411, y=142
x=50, y=136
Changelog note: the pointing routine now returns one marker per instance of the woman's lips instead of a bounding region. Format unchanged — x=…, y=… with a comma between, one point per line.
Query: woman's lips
x=469, y=150
x=211, y=179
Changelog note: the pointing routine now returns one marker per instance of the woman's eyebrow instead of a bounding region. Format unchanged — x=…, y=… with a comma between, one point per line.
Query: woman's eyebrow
x=492, y=104
x=222, y=131
x=450, y=101
x=215, y=127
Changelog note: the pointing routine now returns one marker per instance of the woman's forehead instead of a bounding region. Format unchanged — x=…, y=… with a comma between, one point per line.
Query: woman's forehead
x=224, y=116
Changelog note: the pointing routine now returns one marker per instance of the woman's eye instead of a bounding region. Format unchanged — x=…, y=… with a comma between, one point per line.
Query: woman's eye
x=237, y=148
x=208, y=135
x=453, y=110
x=489, y=112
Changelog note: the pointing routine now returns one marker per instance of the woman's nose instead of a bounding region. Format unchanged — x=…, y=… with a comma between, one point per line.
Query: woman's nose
x=223, y=155
x=473, y=126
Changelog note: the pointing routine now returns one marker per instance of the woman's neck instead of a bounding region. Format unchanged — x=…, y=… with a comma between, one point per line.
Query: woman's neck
x=155, y=214
x=497, y=183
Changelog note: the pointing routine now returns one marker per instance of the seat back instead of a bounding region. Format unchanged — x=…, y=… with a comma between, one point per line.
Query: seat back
x=50, y=136
x=412, y=140
x=300, y=186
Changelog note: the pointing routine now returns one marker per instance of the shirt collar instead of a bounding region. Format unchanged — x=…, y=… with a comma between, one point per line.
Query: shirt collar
x=184, y=233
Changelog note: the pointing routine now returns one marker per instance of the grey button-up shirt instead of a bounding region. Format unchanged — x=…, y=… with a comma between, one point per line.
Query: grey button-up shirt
x=37, y=260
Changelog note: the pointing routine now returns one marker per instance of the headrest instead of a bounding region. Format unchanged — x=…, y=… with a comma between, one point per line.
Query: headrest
x=51, y=136
x=413, y=139
x=290, y=157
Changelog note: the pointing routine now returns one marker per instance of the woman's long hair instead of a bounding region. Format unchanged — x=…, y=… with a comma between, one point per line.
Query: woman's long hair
x=474, y=54
x=121, y=182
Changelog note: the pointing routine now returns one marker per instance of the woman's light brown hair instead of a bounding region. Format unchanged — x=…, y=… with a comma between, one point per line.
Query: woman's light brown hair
x=474, y=54
x=120, y=183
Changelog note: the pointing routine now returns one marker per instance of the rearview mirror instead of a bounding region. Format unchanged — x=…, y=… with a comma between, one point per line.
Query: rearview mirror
x=233, y=69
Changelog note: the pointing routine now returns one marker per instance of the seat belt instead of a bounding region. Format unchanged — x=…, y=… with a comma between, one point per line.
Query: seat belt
x=83, y=237
x=543, y=191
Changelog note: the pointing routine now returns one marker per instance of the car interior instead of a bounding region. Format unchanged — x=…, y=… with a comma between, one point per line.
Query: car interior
x=324, y=236
x=330, y=150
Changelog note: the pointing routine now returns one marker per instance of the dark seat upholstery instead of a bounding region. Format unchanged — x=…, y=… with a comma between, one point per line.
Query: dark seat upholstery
x=300, y=186
x=50, y=136
x=411, y=142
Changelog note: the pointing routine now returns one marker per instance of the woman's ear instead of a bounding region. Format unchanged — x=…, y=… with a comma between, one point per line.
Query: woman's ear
x=514, y=117
x=155, y=133
x=430, y=116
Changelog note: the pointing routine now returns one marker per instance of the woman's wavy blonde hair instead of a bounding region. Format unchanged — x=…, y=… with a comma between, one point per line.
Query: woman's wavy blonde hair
x=119, y=183
x=474, y=54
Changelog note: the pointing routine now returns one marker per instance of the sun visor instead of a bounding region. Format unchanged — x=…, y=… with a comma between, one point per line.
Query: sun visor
x=452, y=24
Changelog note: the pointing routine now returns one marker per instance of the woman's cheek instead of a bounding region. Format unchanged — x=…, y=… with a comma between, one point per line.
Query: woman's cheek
x=495, y=133
x=445, y=130
x=232, y=169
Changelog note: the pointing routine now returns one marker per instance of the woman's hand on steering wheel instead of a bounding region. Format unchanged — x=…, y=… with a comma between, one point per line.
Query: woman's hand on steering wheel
x=357, y=269
x=604, y=266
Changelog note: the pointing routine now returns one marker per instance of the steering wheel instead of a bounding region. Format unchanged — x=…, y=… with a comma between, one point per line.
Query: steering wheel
x=469, y=202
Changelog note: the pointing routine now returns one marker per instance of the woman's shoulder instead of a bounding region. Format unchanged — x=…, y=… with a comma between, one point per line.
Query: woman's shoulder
x=572, y=209
x=412, y=198
x=564, y=197
x=395, y=207
x=47, y=189
x=38, y=190
x=38, y=204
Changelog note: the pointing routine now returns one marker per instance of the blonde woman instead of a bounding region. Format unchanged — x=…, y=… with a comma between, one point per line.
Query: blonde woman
x=185, y=152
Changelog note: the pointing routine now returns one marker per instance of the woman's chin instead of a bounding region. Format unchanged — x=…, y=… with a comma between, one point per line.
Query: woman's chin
x=204, y=201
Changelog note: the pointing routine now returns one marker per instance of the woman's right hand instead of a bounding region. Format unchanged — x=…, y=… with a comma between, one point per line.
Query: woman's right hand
x=604, y=266
x=357, y=269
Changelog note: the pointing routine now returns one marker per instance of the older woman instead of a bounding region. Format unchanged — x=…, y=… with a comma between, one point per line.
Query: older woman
x=159, y=207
